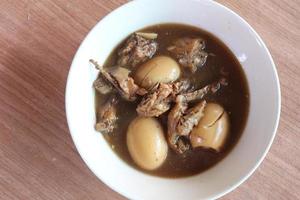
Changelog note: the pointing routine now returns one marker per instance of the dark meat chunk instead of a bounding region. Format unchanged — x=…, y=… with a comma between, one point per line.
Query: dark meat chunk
x=102, y=85
x=197, y=94
x=200, y=93
x=119, y=78
x=142, y=91
x=137, y=50
x=180, y=87
x=158, y=100
x=107, y=116
x=181, y=122
x=174, y=117
x=190, y=119
x=189, y=52
x=183, y=145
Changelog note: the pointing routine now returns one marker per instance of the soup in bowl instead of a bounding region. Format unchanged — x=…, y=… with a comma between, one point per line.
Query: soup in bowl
x=179, y=100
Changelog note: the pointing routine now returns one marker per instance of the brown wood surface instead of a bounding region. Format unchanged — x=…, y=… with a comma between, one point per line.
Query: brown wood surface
x=38, y=39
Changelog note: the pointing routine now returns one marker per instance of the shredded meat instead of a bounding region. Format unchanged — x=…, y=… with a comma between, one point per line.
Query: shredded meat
x=102, y=86
x=181, y=122
x=119, y=78
x=183, y=145
x=180, y=87
x=158, y=100
x=200, y=93
x=191, y=119
x=189, y=52
x=107, y=116
x=174, y=117
x=124, y=84
x=137, y=50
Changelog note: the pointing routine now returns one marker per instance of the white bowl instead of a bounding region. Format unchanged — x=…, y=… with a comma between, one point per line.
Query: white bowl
x=246, y=45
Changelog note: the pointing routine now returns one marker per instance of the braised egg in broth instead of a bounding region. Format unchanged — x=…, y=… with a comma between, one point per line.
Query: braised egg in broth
x=161, y=69
x=146, y=143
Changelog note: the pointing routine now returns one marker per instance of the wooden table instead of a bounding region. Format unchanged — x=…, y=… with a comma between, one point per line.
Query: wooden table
x=38, y=39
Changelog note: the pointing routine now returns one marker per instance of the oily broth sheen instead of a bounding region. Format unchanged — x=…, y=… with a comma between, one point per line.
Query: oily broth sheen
x=234, y=98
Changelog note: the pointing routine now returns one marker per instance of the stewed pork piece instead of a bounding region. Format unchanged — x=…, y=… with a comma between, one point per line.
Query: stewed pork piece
x=107, y=116
x=119, y=79
x=102, y=85
x=157, y=102
x=122, y=82
x=181, y=121
x=208, y=89
x=189, y=52
x=174, y=117
x=137, y=49
x=159, y=99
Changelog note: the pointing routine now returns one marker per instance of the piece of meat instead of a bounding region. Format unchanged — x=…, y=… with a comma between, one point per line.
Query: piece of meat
x=118, y=78
x=183, y=145
x=107, y=116
x=156, y=102
x=136, y=50
x=200, y=93
x=121, y=82
x=191, y=118
x=102, y=86
x=180, y=87
x=189, y=52
x=161, y=95
x=124, y=84
x=142, y=91
x=181, y=122
x=173, y=120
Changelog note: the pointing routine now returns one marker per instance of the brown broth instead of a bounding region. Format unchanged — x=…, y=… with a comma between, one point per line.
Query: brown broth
x=234, y=98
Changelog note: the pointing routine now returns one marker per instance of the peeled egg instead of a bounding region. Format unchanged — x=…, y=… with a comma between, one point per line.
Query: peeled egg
x=212, y=129
x=146, y=142
x=161, y=69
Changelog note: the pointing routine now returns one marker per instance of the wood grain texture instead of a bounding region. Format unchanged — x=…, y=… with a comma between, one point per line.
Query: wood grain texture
x=38, y=39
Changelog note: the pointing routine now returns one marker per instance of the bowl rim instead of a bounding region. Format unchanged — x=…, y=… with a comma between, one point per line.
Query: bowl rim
x=278, y=109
